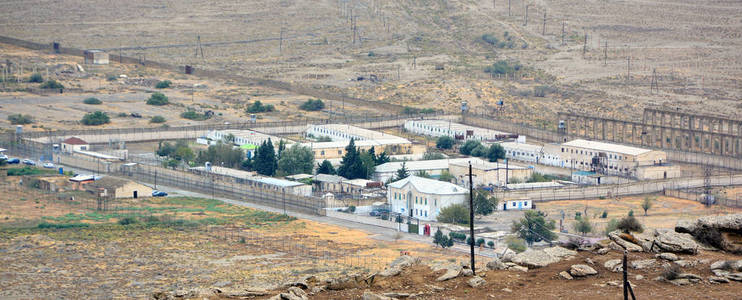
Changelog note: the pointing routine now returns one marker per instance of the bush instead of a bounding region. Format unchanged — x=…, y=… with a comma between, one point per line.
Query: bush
x=491, y=244
x=163, y=84
x=157, y=119
x=542, y=90
x=36, y=78
x=128, y=221
x=258, y=107
x=412, y=110
x=444, y=142
x=454, y=214
x=19, y=119
x=92, y=101
x=490, y=39
x=611, y=226
x=112, y=77
x=44, y=225
x=96, y=118
x=604, y=215
x=52, y=84
x=469, y=241
x=457, y=236
x=503, y=67
x=583, y=226
x=193, y=115
x=630, y=224
x=352, y=208
x=480, y=242
x=469, y=146
x=516, y=244
x=312, y=105
x=631, y=213
x=158, y=99
x=432, y=155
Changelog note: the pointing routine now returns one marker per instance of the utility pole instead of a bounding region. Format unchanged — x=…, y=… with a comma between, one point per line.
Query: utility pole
x=471, y=219
x=654, y=85
x=508, y=8
x=543, y=30
x=605, y=54
x=584, y=46
x=280, y=42
x=525, y=16
x=562, y=32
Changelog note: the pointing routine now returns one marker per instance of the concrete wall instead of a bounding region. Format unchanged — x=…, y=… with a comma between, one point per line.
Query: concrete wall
x=127, y=191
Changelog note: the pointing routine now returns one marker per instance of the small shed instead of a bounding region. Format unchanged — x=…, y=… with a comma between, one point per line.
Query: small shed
x=118, y=188
x=73, y=144
x=96, y=57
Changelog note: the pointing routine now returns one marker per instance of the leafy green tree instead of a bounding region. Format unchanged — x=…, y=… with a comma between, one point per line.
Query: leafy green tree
x=454, y=214
x=444, y=142
x=164, y=149
x=480, y=242
x=534, y=227
x=483, y=203
x=157, y=119
x=96, y=118
x=351, y=166
x=312, y=105
x=583, y=225
x=258, y=107
x=629, y=224
x=479, y=151
x=52, y=85
x=382, y=158
x=431, y=155
x=491, y=244
x=184, y=154
x=158, y=99
x=495, y=152
x=20, y=119
x=163, y=84
x=295, y=160
x=265, y=159
x=36, y=78
x=326, y=168
x=446, y=176
x=467, y=147
x=92, y=101
x=440, y=239
x=222, y=154
x=402, y=172
x=647, y=204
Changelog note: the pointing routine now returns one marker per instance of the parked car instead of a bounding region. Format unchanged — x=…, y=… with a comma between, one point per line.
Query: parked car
x=29, y=162
x=3, y=156
x=48, y=165
x=14, y=161
x=378, y=212
x=157, y=193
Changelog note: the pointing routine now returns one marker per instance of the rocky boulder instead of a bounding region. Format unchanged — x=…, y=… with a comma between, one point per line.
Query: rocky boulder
x=565, y=275
x=642, y=264
x=581, y=270
x=615, y=236
x=671, y=241
x=371, y=296
x=667, y=256
x=542, y=258
x=476, y=281
x=404, y=261
x=722, y=232
x=496, y=264
x=450, y=274
x=614, y=265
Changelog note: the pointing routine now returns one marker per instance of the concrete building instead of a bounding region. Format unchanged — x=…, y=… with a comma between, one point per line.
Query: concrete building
x=592, y=178
x=327, y=183
x=423, y=198
x=612, y=159
x=95, y=57
x=488, y=173
x=434, y=168
x=520, y=204
x=74, y=144
x=537, y=154
x=458, y=131
x=254, y=180
x=109, y=187
x=241, y=137
x=344, y=132
x=364, y=140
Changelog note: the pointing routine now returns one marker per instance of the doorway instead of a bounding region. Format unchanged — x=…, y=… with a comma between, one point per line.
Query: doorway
x=136, y=194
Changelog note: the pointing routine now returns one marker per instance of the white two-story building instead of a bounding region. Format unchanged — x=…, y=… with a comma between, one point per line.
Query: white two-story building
x=423, y=198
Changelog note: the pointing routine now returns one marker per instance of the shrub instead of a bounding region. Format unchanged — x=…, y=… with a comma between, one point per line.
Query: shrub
x=312, y=105
x=490, y=39
x=630, y=224
x=541, y=90
x=92, y=101
x=51, y=84
x=128, y=221
x=457, y=236
x=36, y=78
x=193, y=115
x=516, y=244
x=96, y=118
x=611, y=226
x=604, y=215
x=466, y=148
x=583, y=226
x=352, y=208
x=444, y=142
x=258, y=107
x=480, y=242
x=158, y=99
x=112, y=77
x=469, y=241
x=44, y=225
x=163, y=84
x=157, y=119
x=503, y=67
x=491, y=244
x=432, y=155
x=454, y=214
x=631, y=213
x=710, y=236
x=19, y=119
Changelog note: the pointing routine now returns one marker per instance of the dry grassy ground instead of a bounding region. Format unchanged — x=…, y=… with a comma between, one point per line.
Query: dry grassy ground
x=693, y=46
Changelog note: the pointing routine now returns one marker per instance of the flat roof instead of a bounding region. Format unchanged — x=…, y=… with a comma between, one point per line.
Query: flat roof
x=521, y=146
x=357, y=131
x=250, y=134
x=97, y=155
x=485, y=165
x=457, y=127
x=418, y=165
x=606, y=147
x=361, y=143
x=429, y=186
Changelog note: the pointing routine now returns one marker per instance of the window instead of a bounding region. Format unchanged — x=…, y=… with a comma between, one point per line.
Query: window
x=562, y=149
x=513, y=204
x=340, y=152
x=426, y=213
x=435, y=202
x=426, y=201
x=322, y=152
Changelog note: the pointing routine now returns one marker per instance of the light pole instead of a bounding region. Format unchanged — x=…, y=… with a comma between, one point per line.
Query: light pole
x=471, y=219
